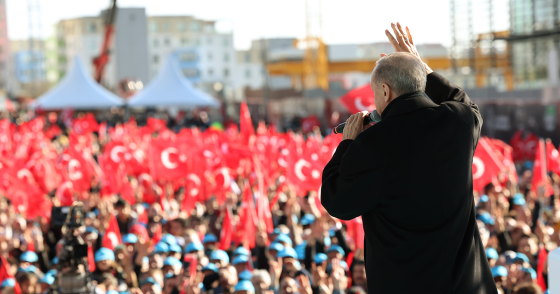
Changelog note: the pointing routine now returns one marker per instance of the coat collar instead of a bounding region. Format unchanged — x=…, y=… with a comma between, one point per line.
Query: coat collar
x=407, y=103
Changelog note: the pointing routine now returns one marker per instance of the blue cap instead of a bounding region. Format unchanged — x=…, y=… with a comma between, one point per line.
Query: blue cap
x=52, y=272
x=209, y=238
x=210, y=267
x=307, y=219
x=169, y=239
x=130, y=238
x=343, y=264
x=92, y=230
x=172, y=261
x=161, y=247
x=337, y=249
x=104, y=254
x=486, y=218
x=175, y=248
x=288, y=252
x=245, y=285
x=150, y=280
x=484, y=198
x=241, y=251
x=30, y=269
x=47, y=279
x=168, y=276
x=202, y=288
x=300, y=250
x=492, y=253
x=29, y=256
x=320, y=257
x=521, y=256
x=194, y=246
x=145, y=259
x=245, y=275
x=518, y=199
x=528, y=164
x=54, y=260
x=111, y=292
x=499, y=271
x=219, y=255
x=240, y=259
x=9, y=282
x=276, y=231
x=283, y=238
x=530, y=271
x=276, y=246
x=547, y=291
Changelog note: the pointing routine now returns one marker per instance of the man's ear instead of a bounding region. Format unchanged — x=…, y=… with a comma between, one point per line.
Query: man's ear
x=386, y=92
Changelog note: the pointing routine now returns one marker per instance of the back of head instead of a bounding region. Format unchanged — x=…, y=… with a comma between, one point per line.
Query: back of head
x=527, y=288
x=403, y=72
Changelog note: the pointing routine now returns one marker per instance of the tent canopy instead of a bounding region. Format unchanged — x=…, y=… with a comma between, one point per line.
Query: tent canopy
x=78, y=90
x=172, y=88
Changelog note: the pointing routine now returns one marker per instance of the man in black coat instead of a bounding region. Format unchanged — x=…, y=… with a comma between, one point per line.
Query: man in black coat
x=410, y=178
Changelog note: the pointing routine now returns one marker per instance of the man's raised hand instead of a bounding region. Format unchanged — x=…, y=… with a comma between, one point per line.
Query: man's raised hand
x=402, y=42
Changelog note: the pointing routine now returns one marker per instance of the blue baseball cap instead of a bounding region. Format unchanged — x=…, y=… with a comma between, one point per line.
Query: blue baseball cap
x=276, y=246
x=194, y=246
x=320, y=257
x=111, y=292
x=47, y=279
x=209, y=238
x=300, y=250
x=241, y=251
x=219, y=255
x=492, y=253
x=169, y=239
x=150, y=280
x=202, y=288
x=336, y=248
x=518, y=199
x=130, y=238
x=168, y=276
x=484, y=198
x=284, y=238
x=486, y=218
x=240, y=259
x=521, y=256
x=210, y=267
x=29, y=256
x=307, y=219
x=245, y=275
x=245, y=285
x=276, y=231
x=172, y=261
x=54, y=260
x=343, y=264
x=9, y=282
x=161, y=247
x=499, y=271
x=51, y=272
x=104, y=254
x=92, y=230
x=175, y=248
x=530, y=271
x=288, y=252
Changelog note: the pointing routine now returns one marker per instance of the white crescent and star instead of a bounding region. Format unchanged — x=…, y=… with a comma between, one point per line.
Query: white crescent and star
x=299, y=166
x=360, y=106
x=165, y=158
x=115, y=153
x=479, y=168
x=74, y=174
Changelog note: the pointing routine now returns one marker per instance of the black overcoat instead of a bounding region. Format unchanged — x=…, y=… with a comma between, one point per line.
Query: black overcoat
x=410, y=178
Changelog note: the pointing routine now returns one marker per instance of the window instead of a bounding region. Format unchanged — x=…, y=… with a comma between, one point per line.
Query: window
x=188, y=57
x=181, y=27
x=247, y=57
x=92, y=27
x=226, y=42
x=209, y=40
x=156, y=59
x=247, y=73
x=195, y=26
x=209, y=56
x=226, y=72
x=190, y=72
x=167, y=42
x=93, y=44
x=156, y=43
x=184, y=41
x=210, y=72
x=153, y=27
x=226, y=57
x=166, y=26
x=197, y=42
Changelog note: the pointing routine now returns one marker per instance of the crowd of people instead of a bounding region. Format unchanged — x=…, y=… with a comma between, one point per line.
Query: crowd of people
x=162, y=248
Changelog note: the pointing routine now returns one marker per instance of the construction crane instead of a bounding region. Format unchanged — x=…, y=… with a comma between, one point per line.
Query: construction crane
x=101, y=61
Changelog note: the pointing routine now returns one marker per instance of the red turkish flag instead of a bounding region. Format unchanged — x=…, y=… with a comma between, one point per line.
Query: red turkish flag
x=90, y=259
x=540, y=177
x=504, y=152
x=485, y=166
x=222, y=184
x=303, y=172
x=540, y=267
x=247, y=219
x=524, y=147
x=552, y=158
x=65, y=193
x=86, y=124
x=169, y=159
x=309, y=123
x=245, y=122
x=226, y=234
x=359, y=99
x=112, y=236
x=156, y=124
x=5, y=274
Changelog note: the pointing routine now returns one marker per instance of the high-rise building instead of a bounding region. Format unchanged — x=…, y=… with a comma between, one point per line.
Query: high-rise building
x=4, y=47
x=28, y=63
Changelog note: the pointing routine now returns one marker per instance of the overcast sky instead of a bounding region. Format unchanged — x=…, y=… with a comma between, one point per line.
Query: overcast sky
x=346, y=21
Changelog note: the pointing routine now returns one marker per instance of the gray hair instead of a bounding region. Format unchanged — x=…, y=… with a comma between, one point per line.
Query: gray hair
x=403, y=72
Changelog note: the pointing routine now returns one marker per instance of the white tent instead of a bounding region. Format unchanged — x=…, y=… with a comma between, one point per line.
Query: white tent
x=77, y=90
x=172, y=88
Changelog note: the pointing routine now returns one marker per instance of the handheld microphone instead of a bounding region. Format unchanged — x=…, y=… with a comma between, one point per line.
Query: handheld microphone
x=371, y=117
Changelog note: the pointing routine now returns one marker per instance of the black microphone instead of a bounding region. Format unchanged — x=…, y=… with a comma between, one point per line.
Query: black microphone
x=371, y=117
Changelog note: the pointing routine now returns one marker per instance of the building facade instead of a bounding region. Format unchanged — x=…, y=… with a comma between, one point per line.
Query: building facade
x=4, y=48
